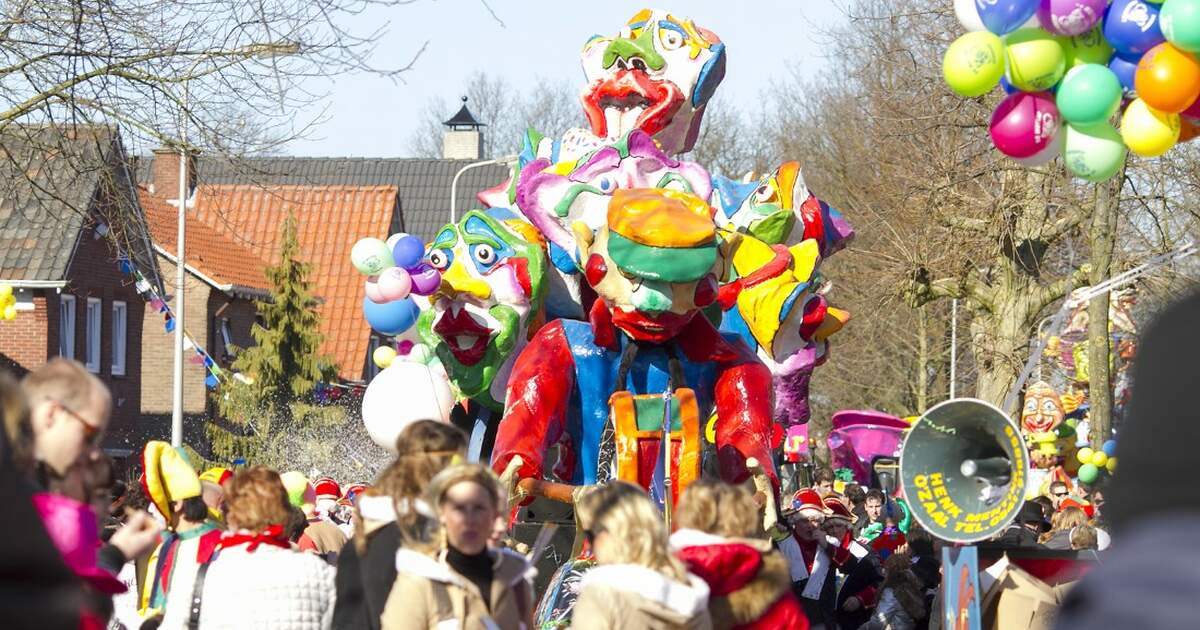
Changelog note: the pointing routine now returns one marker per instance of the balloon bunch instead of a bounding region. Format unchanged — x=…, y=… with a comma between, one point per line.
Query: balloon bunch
x=1097, y=462
x=395, y=269
x=8, y=303
x=1068, y=66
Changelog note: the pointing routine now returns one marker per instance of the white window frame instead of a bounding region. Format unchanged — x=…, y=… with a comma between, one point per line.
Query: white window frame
x=93, y=323
x=66, y=326
x=120, y=336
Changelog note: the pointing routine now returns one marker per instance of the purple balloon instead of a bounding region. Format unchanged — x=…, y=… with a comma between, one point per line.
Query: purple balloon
x=1125, y=70
x=1005, y=16
x=425, y=279
x=1133, y=27
x=1025, y=124
x=1070, y=17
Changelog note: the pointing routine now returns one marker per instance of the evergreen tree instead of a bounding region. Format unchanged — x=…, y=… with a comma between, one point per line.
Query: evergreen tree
x=269, y=411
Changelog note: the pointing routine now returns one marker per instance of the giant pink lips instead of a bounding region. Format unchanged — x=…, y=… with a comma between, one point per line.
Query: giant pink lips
x=627, y=90
x=464, y=335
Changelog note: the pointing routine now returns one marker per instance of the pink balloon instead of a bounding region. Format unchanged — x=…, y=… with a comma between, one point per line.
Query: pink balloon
x=404, y=347
x=394, y=284
x=373, y=292
x=1024, y=124
x=1070, y=17
x=425, y=280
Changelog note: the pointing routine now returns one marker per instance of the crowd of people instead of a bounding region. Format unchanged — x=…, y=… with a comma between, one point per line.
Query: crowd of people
x=426, y=543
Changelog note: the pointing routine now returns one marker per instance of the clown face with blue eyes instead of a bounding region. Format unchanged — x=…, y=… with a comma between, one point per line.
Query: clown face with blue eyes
x=656, y=75
x=493, y=268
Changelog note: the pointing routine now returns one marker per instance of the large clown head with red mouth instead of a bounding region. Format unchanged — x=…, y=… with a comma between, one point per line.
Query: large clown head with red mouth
x=493, y=267
x=655, y=263
x=656, y=75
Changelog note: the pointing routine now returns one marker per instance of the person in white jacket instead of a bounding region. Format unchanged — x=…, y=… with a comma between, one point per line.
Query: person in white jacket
x=257, y=580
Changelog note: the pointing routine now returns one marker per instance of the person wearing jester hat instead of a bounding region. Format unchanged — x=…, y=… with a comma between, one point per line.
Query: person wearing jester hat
x=654, y=265
x=816, y=557
x=191, y=537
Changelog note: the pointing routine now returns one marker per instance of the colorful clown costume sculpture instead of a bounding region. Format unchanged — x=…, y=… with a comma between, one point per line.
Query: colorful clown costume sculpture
x=654, y=265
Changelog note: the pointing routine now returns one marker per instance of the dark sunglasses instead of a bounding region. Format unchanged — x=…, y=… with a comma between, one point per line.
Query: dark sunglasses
x=1060, y=494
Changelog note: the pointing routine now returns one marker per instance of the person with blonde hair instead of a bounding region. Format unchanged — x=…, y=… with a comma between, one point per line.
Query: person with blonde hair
x=367, y=566
x=637, y=582
x=257, y=580
x=721, y=539
x=453, y=578
x=1084, y=537
x=1061, y=524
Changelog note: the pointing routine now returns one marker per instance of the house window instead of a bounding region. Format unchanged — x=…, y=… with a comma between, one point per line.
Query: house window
x=66, y=327
x=92, y=330
x=119, y=316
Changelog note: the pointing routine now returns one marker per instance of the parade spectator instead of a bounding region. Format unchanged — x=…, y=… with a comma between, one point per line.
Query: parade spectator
x=1061, y=525
x=720, y=539
x=857, y=581
x=367, y=566
x=823, y=482
x=460, y=582
x=901, y=600
x=1058, y=491
x=256, y=579
x=1149, y=580
x=637, y=583
x=1024, y=531
x=873, y=505
x=857, y=497
x=1084, y=538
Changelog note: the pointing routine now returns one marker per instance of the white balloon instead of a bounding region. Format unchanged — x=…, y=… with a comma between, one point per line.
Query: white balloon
x=968, y=15
x=1046, y=155
x=402, y=394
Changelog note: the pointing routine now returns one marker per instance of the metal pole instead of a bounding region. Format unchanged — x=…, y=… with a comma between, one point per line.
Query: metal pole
x=180, y=280
x=953, y=345
x=666, y=449
x=503, y=161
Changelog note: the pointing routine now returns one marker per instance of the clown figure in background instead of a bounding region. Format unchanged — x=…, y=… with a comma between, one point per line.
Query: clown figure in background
x=656, y=75
x=1051, y=441
x=493, y=271
x=654, y=265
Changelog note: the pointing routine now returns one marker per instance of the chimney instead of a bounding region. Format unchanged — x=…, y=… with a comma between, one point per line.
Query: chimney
x=463, y=139
x=164, y=171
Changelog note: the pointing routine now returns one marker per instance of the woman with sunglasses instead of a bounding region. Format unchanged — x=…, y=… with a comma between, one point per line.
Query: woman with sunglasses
x=637, y=583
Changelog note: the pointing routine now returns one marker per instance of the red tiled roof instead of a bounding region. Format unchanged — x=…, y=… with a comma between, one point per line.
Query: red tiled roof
x=208, y=250
x=329, y=220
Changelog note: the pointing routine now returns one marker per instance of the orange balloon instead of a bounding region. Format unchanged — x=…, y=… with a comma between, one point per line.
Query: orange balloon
x=1167, y=78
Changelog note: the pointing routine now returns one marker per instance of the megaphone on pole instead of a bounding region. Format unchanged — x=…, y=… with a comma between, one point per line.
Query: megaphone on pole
x=964, y=467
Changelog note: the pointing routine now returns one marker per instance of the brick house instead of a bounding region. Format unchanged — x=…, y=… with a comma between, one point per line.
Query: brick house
x=69, y=217
x=223, y=278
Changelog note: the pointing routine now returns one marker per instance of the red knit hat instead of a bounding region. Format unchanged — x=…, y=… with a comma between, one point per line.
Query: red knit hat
x=1087, y=508
x=327, y=488
x=837, y=509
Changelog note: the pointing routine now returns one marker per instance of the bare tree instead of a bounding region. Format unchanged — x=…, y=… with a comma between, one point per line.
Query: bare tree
x=550, y=108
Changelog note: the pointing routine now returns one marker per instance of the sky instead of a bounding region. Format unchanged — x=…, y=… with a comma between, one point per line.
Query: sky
x=373, y=116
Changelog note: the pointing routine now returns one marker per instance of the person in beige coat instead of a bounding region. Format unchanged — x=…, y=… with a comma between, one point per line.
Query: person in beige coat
x=637, y=583
x=461, y=583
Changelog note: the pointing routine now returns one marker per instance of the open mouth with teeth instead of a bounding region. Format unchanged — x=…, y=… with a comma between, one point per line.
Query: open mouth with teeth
x=465, y=336
x=629, y=99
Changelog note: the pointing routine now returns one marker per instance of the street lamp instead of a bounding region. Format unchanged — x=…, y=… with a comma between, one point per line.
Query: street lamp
x=507, y=160
x=273, y=49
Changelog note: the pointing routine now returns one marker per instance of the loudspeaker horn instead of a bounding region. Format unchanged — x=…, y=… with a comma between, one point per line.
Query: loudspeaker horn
x=964, y=467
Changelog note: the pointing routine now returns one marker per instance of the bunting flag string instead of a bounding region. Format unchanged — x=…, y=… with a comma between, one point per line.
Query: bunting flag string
x=213, y=372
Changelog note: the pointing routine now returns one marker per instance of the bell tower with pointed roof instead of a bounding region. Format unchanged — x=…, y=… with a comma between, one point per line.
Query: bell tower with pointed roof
x=464, y=136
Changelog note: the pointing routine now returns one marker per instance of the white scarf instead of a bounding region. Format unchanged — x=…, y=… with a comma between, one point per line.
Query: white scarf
x=799, y=569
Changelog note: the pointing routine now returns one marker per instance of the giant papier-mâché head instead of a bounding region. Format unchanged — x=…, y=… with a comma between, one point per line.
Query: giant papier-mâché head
x=493, y=271
x=656, y=75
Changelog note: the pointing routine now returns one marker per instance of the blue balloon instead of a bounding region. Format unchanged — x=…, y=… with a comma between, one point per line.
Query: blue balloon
x=1008, y=88
x=1110, y=448
x=1005, y=16
x=408, y=251
x=391, y=318
x=1132, y=27
x=1125, y=71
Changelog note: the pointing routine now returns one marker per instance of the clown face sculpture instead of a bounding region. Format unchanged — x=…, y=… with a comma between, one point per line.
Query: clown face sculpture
x=1043, y=410
x=780, y=210
x=656, y=75
x=492, y=284
x=656, y=262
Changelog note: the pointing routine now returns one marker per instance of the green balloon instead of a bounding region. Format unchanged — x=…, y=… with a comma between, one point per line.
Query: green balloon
x=974, y=64
x=1088, y=473
x=1089, y=94
x=1180, y=21
x=1093, y=152
x=1090, y=47
x=1036, y=60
